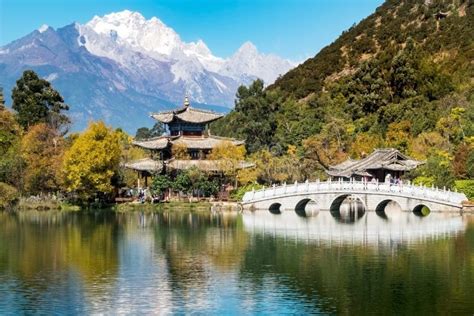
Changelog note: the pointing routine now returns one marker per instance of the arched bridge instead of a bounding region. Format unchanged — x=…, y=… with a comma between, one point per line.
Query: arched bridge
x=329, y=195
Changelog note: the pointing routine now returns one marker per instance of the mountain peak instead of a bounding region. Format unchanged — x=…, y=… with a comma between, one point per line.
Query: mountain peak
x=125, y=16
x=127, y=63
x=131, y=28
x=248, y=47
x=43, y=28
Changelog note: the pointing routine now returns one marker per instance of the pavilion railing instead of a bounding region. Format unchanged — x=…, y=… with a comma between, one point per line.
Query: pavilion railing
x=352, y=186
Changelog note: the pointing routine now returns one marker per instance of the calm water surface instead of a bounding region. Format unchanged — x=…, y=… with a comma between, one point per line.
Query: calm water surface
x=252, y=263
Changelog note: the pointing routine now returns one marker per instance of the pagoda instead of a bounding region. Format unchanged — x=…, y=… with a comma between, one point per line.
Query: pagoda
x=378, y=165
x=187, y=127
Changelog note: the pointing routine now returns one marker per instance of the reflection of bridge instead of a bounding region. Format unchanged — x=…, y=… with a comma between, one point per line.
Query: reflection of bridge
x=396, y=227
x=330, y=195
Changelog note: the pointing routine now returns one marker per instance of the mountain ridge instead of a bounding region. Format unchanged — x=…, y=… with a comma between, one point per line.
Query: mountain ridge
x=124, y=63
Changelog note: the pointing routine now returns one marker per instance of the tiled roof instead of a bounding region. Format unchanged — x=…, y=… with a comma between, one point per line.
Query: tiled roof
x=386, y=158
x=145, y=164
x=205, y=142
x=205, y=165
x=153, y=143
x=187, y=114
x=209, y=142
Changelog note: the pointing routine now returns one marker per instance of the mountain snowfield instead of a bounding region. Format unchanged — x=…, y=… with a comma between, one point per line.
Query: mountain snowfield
x=121, y=66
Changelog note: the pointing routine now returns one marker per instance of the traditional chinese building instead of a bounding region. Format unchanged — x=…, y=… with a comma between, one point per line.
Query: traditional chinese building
x=187, y=127
x=378, y=165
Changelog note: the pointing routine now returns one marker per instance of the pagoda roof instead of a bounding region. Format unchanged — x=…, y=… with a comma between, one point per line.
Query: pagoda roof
x=160, y=142
x=207, y=142
x=205, y=165
x=152, y=166
x=145, y=164
x=187, y=113
x=385, y=158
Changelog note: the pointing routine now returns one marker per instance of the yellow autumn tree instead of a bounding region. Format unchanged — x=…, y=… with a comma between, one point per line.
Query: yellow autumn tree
x=180, y=152
x=10, y=135
x=92, y=161
x=399, y=135
x=42, y=151
x=229, y=157
x=426, y=143
x=130, y=153
x=364, y=144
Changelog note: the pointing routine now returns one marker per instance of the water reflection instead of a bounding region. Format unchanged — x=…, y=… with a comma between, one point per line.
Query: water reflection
x=349, y=211
x=229, y=263
x=351, y=224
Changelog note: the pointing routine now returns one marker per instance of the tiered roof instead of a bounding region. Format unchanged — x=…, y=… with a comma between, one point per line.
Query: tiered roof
x=153, y=143
x=188, y=114
x=145, y=164
x=387, y=158
x=205, y=165
x=208, y=142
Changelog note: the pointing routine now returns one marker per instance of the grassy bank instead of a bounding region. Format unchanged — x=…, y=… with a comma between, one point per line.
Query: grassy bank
x=26, y=204
x=45, y=205
x=178, y=206
x=132, y=207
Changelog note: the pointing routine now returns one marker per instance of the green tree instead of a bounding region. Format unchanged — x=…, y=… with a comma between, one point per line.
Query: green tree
x=437, y=171
x=207, y=186
x=470, y=165
x=253, y=117
x=160, y=184
x=144, y=132
x=35, y=101
x=92, y=161
x=182, y=182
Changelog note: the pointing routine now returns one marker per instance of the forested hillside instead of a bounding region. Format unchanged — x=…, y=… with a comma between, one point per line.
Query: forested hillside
x=403, y=77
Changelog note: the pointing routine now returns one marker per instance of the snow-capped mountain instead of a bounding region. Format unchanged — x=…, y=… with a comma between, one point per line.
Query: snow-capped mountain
x=121, y=66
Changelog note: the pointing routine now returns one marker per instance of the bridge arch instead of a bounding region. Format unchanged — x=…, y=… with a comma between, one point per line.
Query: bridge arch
x=355, y=209
x=306, y=207
x=421, y=210
x=380, y=208
x=275, y=208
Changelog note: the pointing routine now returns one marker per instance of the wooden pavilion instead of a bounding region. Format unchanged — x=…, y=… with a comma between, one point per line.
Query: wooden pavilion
x=378, y=165
x=187, y=127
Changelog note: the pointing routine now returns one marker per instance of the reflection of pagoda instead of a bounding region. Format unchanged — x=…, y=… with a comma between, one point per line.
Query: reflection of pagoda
x=188, y=128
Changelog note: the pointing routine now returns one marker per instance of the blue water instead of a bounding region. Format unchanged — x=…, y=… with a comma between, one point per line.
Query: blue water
x=182, y=262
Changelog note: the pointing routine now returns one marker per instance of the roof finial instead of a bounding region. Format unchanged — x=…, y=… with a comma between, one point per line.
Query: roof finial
x=186, y=101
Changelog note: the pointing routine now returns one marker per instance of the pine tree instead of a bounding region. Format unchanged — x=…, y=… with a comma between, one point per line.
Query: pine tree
x=35, y=101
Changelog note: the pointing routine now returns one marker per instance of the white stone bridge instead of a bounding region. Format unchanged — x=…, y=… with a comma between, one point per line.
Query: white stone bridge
x=329, y=195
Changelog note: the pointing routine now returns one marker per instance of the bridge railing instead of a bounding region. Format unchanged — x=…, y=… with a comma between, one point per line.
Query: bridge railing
x=407, y=190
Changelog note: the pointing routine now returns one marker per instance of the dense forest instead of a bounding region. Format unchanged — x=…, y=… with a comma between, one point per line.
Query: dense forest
x=403, y=78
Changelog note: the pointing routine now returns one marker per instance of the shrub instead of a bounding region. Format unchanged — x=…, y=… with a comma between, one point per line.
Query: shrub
x=466, y=187
x=239, y=193
x=8, y=196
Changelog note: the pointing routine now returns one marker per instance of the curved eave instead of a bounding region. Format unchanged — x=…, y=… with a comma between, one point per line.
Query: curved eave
x=154, y=143
x=145, y=164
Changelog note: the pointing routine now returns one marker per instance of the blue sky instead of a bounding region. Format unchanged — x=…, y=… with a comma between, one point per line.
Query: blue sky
x=294, y=29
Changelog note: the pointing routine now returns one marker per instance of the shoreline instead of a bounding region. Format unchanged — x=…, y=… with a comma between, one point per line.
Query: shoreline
x=48, y=205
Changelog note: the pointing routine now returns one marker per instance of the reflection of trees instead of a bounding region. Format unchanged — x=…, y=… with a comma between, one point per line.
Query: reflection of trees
x=190, y=241
x=434, y=276
x=44, y=245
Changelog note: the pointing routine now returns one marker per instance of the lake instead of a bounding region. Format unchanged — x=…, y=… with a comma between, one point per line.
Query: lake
x=185, y=262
